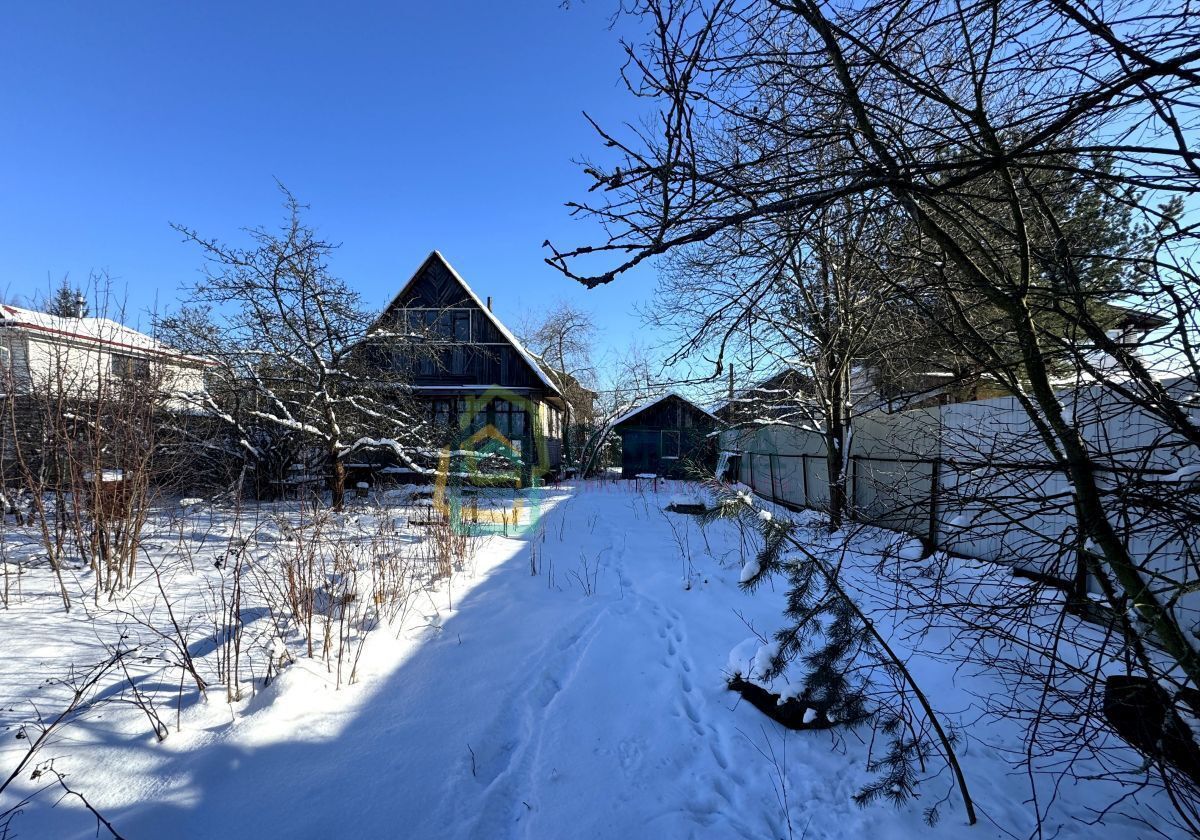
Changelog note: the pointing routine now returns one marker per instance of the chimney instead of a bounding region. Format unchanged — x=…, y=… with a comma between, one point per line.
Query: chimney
x=489, y=303
x=80, y=304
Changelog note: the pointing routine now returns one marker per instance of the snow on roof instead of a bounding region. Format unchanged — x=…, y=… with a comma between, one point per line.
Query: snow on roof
x=512, y=339
x=640, y=408
x=93, y=330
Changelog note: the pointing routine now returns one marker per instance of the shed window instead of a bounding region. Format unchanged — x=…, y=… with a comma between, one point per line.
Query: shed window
x=670, y=444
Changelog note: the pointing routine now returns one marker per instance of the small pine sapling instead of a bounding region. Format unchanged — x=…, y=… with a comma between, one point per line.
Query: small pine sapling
x=851, y=674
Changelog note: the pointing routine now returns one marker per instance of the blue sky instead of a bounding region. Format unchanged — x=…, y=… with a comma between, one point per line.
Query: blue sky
x=406, y=127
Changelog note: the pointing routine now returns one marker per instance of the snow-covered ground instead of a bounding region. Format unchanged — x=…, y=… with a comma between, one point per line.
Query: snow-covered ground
x=585, y=700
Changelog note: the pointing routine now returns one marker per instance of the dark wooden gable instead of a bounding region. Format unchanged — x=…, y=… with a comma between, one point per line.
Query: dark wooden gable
x=480, y=353
x=433, y=286
x=672, y=412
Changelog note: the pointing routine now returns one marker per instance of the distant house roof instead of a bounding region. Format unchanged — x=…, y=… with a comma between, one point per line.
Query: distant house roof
x=786, y=382
x=633, y=412
x=496, y=322
x=1136, y=319
x=100, y=331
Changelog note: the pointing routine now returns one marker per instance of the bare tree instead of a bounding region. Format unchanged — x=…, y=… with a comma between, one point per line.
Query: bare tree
x=985, y=125
x=83, y=420
x=562, y=339
x=808, y=300
x=297, y=354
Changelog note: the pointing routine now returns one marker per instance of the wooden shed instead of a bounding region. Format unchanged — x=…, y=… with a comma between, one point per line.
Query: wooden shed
x=669, y=436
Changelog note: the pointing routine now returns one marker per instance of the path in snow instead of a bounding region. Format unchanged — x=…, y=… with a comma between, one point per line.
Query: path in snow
x=587, y=716
x=530, y=710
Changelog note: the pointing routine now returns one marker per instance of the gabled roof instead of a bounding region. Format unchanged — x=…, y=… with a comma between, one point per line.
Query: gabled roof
x=503, y=330
x=776, y=383
x=101, y=331
x=633, y=412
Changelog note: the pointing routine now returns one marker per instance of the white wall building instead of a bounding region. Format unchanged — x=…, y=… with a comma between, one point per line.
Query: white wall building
x=82, y=358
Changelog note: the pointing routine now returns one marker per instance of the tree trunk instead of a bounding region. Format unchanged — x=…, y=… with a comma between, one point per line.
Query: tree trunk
x=835, y=452
x=1091, y=514
x=337, y=482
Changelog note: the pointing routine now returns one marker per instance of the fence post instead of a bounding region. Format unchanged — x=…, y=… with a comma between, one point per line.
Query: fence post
x=935, y=484
x=771, y=473
x=804, y=478
x=853, y=487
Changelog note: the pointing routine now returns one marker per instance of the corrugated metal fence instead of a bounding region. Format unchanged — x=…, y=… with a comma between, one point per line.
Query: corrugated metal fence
x=974, y=478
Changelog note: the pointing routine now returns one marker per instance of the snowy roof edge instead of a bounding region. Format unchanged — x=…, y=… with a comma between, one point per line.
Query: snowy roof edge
x=640, y=408
x=103, y=331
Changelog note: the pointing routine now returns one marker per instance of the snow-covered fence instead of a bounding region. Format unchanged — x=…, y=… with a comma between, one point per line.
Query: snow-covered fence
x=976, y=479
x=890, y=468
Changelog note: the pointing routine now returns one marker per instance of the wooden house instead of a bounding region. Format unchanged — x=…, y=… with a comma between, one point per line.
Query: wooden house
x=477, y=383
x=668, y=436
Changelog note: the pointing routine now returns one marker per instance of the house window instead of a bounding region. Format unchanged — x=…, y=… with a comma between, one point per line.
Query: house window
x=130, y=367
x=449, y=324
x=509, y=419
x=442, y=412
x=670, y=444
x=479, y=415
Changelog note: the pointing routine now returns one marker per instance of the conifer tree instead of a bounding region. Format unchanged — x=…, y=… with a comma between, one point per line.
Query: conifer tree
x=68, y=302
x=848, y=668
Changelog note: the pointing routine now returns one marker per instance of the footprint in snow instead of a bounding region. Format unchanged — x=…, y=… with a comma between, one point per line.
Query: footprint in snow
x=630, y=753
x=547, y=691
